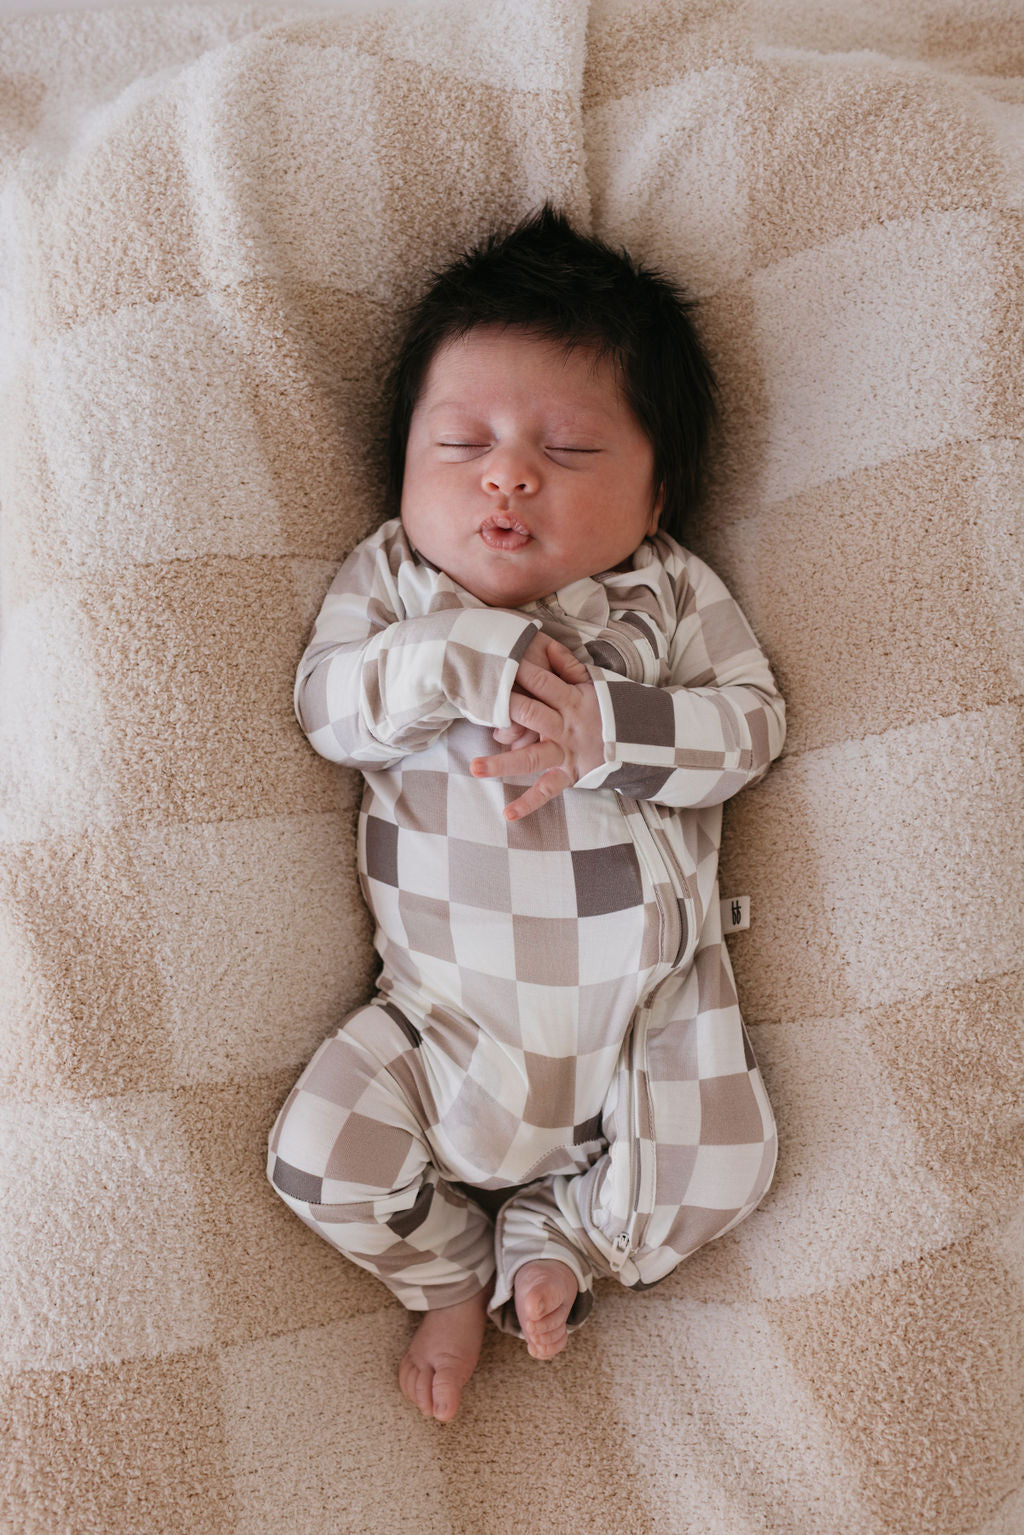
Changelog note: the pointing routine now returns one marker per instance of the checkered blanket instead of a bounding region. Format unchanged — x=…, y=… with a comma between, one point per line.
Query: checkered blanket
x=211, y=217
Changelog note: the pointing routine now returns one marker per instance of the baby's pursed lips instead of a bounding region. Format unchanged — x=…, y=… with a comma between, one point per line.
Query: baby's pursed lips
x=505, y=523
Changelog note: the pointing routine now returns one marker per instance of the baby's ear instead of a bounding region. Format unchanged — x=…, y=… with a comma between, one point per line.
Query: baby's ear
x=656, y=509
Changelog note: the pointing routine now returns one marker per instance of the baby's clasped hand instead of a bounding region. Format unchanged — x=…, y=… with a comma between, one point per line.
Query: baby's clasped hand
x=556, y=727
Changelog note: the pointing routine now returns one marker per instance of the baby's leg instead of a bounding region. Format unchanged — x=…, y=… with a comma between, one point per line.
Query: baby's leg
x=545, y=1292
x=349, y=1156
x=691, y=1149
x=443, y=1355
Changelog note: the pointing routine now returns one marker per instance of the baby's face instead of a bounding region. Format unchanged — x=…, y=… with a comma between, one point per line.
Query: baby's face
x=526, y=469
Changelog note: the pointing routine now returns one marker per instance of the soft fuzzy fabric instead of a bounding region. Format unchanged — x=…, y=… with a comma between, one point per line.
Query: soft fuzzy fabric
x=211, y=218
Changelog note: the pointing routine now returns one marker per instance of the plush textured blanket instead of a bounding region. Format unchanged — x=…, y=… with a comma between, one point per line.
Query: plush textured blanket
x=211, y=218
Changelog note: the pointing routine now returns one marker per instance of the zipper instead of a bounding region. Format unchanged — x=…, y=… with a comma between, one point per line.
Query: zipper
x=678, y=926
x=641, y=1146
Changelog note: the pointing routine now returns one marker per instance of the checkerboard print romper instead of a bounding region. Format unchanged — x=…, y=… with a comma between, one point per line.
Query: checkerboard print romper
x=556, y=1029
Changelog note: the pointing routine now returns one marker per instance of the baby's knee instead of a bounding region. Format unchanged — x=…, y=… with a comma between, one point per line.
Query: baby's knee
x=725, y=1187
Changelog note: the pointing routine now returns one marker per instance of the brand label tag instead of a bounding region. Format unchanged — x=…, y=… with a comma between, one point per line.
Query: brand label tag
x=735, y=914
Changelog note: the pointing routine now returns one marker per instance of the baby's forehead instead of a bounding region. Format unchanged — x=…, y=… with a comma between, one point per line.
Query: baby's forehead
x=493, y=365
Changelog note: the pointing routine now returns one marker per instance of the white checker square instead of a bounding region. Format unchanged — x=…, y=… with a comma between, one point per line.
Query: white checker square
x=723, y=1176
x=407, y=666
x=720, y=1048
x=476, y=810
x=677, y=1112
x=423, y=864
x=595, y=1074
x=306, y=1137
x=611, y=945
x=483, y=940
x=548, y=1018
x=387, y=910
x=541, y=884
x=595, y=819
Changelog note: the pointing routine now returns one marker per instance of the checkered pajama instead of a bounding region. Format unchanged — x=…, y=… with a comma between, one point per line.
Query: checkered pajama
x=556, y=1029
x=680, y=1149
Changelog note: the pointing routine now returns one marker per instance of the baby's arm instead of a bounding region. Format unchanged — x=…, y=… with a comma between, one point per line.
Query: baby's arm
x=718, y=722
x=711, y=729
x=378, y=681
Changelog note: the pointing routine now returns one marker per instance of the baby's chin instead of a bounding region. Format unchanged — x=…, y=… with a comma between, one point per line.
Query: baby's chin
x=503, y=594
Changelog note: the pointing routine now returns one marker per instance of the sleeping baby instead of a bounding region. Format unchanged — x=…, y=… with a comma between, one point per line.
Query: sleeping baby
x=549, y=699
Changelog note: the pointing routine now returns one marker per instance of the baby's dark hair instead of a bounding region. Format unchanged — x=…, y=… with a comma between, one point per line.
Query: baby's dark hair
x=546, y=278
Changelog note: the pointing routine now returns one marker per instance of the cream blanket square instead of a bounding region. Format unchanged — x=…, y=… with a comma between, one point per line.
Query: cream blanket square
x=211, y=219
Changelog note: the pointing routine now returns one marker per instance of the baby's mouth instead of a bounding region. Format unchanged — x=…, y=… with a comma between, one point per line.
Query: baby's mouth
x=503, y=531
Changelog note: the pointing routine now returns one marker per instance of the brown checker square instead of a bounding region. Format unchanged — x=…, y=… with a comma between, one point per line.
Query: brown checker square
x=467, y=670
x=296, y=1183
x=546, y=950
x=716, y=987
x=730, y=1113
x=552, y=1095
x=480, y=1123
x=545, y=831
x=422, y=804
x=478, y=875
x=491, y=997
x=607, y=879
x=427, y=925
x=637, y=782
x=674, y=1169
x=642, y=714
x=405, y=1222
x=368, y=1152
x=605, y=655
x=723, y=632
x=381, y=850
x=337, y=1073
x=604, y=1006
x=590, y=1130
x=678, y=1042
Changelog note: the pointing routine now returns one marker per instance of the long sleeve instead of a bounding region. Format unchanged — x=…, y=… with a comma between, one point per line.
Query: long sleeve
x=715, y=724
x=398, y=653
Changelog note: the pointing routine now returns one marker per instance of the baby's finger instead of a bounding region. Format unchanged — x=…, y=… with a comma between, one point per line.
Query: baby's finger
x=565, y=663
x=510, y=735
x=535, y=716
x=530, y=759
x=536, y=682
x=548, y=785
x=514, y=737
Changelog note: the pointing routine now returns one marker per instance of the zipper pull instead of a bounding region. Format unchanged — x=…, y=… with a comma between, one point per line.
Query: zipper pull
x=621, y=1243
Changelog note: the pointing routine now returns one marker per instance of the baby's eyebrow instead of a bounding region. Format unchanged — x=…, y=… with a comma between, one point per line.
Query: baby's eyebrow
x=573, y=416
x=447, y=405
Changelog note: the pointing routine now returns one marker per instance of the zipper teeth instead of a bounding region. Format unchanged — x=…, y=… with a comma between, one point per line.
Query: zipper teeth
x=653, y=824
x=663, y=854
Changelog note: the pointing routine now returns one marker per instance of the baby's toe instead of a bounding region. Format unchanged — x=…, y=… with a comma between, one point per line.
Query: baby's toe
x=445, y=1395
x=549, y=1344
x=417, y=1385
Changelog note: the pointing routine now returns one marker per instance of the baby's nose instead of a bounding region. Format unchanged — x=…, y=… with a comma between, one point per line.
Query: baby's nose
x=510, y=473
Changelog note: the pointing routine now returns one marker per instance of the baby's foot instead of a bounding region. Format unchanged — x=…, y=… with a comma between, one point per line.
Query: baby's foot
x=545, y=1291
x=442, y=1356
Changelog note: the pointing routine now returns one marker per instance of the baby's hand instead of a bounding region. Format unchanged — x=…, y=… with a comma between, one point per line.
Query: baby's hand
x=514, y=737
x=557, y=720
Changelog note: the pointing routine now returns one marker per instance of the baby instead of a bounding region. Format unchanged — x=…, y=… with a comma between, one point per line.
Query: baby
x=553, y=1081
